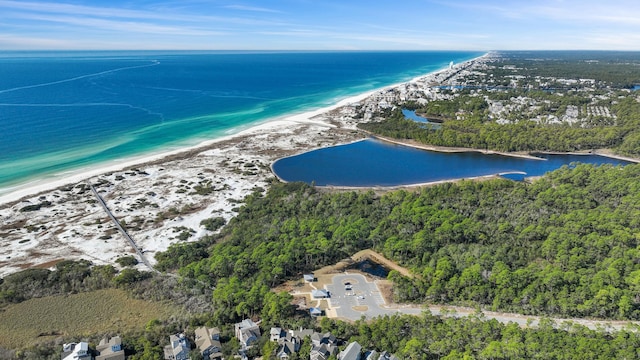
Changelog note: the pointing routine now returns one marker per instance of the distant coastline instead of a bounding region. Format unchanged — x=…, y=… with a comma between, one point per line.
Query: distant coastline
x=39, y=185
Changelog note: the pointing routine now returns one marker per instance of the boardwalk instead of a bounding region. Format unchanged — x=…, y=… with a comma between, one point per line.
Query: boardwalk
x=121, y=229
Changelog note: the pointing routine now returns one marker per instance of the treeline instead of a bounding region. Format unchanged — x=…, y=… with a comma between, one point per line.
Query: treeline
x=565, y=245
x=428, y=337
x=476, y=131
x=78, y=276
x=618, y=69
x=291, y=230
x=67, y=277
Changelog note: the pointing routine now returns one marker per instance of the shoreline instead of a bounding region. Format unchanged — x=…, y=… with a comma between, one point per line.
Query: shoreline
x=18, y=192
x=165, y=198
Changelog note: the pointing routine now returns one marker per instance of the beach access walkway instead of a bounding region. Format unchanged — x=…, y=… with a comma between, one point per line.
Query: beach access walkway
x=122, y=230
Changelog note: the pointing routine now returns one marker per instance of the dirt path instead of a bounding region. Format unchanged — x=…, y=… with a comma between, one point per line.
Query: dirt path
x=379, y=259
x=521, y=320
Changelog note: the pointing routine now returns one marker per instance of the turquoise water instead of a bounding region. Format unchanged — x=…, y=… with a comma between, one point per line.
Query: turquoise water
x=377, y=163
x=62, y=111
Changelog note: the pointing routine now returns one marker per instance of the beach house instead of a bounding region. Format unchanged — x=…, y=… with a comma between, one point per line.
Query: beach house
x=110, y=349
x=247, y=332
x=178, y=348
x=76, y=351
x=351, y=352
x=208, y=342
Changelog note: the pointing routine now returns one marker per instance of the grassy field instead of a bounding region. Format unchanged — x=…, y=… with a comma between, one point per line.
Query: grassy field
x=102, y=311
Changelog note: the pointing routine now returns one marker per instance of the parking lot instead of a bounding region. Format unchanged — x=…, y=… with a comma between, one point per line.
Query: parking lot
x=363, y=298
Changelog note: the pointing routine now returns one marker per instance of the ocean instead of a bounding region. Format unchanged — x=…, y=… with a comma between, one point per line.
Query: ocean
x=64, y=111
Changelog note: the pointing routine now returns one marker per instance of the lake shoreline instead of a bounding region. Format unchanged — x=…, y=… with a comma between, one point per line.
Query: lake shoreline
x=37, y=186
x=158, y=195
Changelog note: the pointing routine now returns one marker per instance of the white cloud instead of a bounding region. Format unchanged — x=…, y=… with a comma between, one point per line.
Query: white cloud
x=107, y=12
x=251, y=8
x=17, y=42
x=117, y=25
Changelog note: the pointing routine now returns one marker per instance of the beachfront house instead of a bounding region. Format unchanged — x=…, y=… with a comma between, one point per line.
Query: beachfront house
x=351, y=352
x=247, y=332
x=110, y=349
x=76, y=351
x=208, y=342
x=178, y=348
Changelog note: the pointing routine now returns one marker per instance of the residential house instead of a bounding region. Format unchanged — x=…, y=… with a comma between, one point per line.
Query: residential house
x=302, y=333
x=178, y=348
x=208, y=342
x=287, y=348
x=289, y=342
x=351, y=352
x=275, y=334
x=387, y=356
x=247, y=332
x=371, y=355
x=309, y=277
x=110, y=349
x=76, y=351
x=323, y=346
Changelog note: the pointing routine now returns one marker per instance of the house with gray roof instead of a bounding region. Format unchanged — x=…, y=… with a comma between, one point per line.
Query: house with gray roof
x=351, y=352
x=323, y=346
x=110, y=349
x=208, y=342
x=247, y=332
x=178, y=348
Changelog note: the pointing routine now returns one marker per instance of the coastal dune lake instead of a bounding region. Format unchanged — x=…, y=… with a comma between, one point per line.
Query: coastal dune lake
x=65, y=111
x=374, y=162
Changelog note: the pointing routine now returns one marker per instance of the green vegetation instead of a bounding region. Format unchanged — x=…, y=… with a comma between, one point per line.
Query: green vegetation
x=127, y=261
x=528, y=89
x=108, y=310
x=213, y=224
x=477, y=131
x=429, y=337
x=566, y=245
x=68, y=277
x=563, y=246
x=615, y=69
x=35, y=207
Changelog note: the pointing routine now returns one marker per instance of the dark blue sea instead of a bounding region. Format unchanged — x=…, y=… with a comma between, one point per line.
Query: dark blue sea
x=63, y=111
x=377, y=163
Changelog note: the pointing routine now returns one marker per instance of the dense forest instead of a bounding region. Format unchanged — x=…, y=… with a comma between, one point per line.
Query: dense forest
x=566, y=245
x=477, y=131
x=428, y=337
x=619, y=69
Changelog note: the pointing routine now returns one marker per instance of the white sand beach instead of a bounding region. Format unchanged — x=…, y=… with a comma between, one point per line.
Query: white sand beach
x=164, y=197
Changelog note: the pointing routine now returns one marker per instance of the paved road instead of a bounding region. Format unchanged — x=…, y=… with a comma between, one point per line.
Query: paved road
x=363, y=300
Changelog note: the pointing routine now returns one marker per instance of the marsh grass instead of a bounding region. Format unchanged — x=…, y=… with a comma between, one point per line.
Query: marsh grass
x=43, y=319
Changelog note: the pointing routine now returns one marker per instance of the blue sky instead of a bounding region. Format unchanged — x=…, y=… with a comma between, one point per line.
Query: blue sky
x=320, y=24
